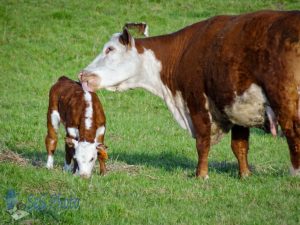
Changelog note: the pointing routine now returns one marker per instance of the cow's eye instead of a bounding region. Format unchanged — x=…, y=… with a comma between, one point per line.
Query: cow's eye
x=109, y=49
x=92, y=159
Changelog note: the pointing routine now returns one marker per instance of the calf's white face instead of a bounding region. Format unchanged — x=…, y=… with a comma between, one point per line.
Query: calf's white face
x=85, y=155
x=115, y=68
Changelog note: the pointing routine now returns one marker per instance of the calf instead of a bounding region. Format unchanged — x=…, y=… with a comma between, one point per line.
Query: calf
x=82, y=115
x=226, y=73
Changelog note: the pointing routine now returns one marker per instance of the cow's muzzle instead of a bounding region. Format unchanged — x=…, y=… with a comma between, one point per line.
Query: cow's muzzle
x=89, y=81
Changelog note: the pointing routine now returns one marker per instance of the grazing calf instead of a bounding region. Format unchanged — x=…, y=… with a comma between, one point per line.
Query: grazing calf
x=82, y=115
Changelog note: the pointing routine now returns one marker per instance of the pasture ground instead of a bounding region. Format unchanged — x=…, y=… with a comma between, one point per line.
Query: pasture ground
x=152, y=160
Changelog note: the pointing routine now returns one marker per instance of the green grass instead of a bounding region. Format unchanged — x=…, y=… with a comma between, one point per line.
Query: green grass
x=41, y=40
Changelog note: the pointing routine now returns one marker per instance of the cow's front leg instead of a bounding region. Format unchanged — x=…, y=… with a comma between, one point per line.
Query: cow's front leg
x=203, y=145
x=240, y=147
x=202, y=128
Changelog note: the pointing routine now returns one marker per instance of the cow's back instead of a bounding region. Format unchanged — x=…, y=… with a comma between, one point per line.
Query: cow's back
x=230, y=53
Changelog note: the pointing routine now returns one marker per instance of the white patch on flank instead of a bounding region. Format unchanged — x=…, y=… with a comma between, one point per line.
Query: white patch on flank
x=67, y=167
x=294, y=172
x=100, y=131
x=86, y=155
x=248, y=109
x=73, y=132
x=50, y=162
x=88, y=110
x=55, y=119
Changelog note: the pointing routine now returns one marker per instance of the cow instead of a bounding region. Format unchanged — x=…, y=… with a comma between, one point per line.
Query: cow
x=225, y=73
x=82, y=114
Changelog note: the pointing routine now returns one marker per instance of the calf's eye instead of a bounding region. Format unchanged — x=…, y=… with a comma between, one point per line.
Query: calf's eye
x=92, y=159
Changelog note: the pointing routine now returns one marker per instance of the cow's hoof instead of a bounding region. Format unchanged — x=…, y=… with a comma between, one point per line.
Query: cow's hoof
x=244, y=175
x=203, y=177
x=295, y=172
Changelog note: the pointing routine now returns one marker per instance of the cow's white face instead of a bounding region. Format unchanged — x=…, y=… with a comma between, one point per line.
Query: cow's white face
x=117, y=66
x=85, y=155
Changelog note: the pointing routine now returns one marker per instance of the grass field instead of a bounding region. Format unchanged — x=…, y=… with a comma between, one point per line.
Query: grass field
x=152, y=161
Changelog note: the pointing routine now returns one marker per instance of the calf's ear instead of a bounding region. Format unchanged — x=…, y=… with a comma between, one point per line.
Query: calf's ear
x=71, y=142
x=125, y=38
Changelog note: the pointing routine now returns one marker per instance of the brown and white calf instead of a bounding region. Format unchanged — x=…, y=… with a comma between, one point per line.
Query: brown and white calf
x=224, y=73
x=83, y=117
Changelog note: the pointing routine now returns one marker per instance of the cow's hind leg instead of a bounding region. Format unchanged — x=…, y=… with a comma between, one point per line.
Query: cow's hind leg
x=285, y=102
x=240, y=147
x=291, y=129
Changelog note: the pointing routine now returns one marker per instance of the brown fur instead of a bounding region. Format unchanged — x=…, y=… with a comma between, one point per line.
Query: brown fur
x=67, y=97
x=224, y=55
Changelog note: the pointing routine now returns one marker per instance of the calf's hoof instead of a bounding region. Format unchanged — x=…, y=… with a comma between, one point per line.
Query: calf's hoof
x=50, y=162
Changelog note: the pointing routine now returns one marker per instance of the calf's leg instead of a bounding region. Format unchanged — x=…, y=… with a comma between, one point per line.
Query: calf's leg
x=51, y=142
x=70, y=151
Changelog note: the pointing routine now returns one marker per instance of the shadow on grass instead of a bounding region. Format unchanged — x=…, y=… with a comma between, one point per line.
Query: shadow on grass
x=38, y=158
x=171, y=162
x=165, y=160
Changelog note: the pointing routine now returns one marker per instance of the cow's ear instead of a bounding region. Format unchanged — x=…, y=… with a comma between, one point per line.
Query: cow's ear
x=71, y=142
x=125, y=38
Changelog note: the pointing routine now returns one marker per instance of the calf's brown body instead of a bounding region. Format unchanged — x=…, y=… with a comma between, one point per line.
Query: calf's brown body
x=67, y=98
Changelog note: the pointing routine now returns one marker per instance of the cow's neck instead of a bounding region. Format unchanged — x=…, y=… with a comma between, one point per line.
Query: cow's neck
x=160, y=57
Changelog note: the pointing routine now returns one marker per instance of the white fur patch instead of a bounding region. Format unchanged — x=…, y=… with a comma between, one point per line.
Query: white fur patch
x=100, y=131
x=88, y=110
x=86, y=155
x=72, y=131
x=248, y=109
x=55, y=119
x=179, y=109
x=50, y=162
x=294, y=172
x=146, y=32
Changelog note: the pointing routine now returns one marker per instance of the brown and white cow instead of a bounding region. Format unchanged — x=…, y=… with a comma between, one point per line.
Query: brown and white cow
x=224, y=73
x=83, y=117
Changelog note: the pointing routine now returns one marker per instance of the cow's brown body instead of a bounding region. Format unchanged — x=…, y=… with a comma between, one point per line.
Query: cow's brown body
x=217, y=65
x=67, y=98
